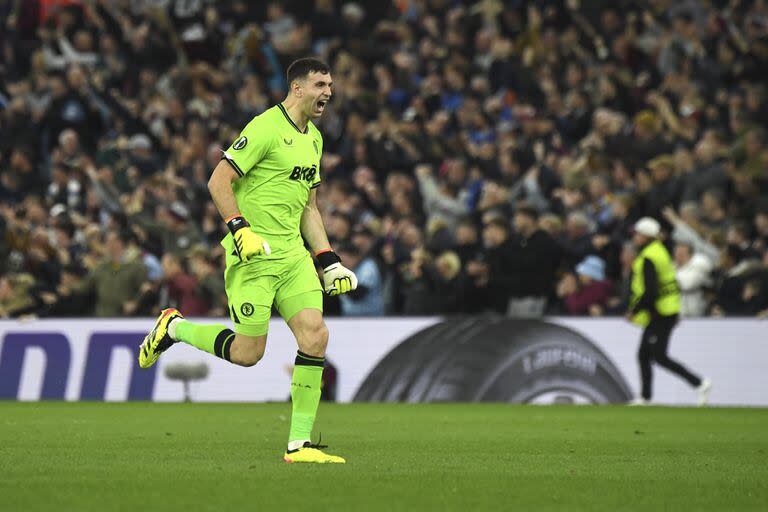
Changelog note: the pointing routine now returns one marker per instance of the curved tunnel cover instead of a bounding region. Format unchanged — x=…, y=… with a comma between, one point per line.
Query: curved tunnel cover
x=491, y=358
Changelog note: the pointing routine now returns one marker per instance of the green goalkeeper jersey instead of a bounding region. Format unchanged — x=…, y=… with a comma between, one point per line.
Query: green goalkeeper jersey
x=277, y=165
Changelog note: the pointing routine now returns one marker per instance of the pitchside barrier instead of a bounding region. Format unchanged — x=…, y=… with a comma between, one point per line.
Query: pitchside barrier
x=477, y=358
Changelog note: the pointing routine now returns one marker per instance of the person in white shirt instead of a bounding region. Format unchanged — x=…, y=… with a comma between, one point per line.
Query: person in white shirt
x=693, y=275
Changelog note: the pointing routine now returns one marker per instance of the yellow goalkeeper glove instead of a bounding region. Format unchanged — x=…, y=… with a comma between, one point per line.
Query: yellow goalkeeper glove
x=337, y=278
x=247, y=243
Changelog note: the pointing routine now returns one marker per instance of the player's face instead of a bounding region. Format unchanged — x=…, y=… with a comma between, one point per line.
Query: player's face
x=317, y=93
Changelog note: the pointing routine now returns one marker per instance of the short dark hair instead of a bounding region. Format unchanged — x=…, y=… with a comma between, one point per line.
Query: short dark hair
x=122, y=234
x=741, y=228
x=528, y=211
x=348, y=248
x=302, y=67
x=499, y=223
x=126, y=235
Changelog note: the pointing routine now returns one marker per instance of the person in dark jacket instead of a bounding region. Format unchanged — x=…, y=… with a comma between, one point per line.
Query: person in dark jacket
x=708, y=172
x=438, y=287
x=577, y=241
x=739, y=290
x=491, y=270
x=467, y=240
x=534, y=258
x=73, y=305
x=667, y=188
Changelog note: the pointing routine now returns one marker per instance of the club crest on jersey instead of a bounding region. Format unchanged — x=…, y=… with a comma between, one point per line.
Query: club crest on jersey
x=246, y=309
x=304, y=173
x=240, y=143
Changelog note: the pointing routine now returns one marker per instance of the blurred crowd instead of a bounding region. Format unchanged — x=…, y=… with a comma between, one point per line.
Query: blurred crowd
x=479, y=155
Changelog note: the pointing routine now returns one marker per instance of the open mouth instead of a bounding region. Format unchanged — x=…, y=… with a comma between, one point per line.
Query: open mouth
x=321, y=104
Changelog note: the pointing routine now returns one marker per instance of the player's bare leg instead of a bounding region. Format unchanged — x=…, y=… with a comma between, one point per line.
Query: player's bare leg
x=312, y=337
x=247, y=350
x=216, y=339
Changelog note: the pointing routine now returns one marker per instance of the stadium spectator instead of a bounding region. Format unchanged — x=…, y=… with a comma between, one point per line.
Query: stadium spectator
x=576, y=241
x=534, y=262
x=760, y=223
x=667, y=188
x=442, y=199
x=444, y=117
x=693, y=277
x=708, y=171
x=171, y=226
x=15, y=297
x=467, y=240
x=437, y=287
x=115, y=283
x=74, y=305
x=211, y=287
x=495, y=259
x=367, y=299
x=182, y=288
x=739, y=289
x=588, y=292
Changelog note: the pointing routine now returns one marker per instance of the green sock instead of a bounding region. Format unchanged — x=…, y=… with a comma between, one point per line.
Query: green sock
x=215, y=339
x=305, y=395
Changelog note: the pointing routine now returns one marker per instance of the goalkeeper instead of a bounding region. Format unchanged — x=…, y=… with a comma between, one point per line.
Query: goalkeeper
x=265, y=190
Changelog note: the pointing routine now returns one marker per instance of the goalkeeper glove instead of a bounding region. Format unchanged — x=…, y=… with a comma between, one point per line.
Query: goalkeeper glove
x=337, y=278
x=247, y=243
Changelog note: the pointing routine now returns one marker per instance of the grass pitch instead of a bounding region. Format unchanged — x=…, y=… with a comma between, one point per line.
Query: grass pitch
x=185, y=457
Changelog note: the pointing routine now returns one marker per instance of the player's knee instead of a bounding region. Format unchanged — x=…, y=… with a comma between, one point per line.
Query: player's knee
x=316, y=340
x=250, y=359
x=246, y=352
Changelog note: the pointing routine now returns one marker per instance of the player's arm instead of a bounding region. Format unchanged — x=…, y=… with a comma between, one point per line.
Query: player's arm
x=336, y=277
x=220, y=187
x=247, y=243
x=312, y=228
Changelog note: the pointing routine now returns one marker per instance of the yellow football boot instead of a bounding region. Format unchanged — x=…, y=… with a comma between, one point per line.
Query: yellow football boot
x=312, y=453
x=158, y=340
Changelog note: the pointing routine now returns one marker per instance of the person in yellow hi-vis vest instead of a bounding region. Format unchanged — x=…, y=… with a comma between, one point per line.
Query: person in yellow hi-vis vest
x=655, y=306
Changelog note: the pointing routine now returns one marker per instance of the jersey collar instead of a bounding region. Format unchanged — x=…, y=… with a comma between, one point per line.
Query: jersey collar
x=285, y=113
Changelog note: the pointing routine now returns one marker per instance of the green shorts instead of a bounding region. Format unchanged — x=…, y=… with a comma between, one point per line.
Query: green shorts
x=288, y=281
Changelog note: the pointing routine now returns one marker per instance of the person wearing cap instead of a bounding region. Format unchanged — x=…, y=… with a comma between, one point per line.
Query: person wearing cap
x=655, y=306
x=589, y=292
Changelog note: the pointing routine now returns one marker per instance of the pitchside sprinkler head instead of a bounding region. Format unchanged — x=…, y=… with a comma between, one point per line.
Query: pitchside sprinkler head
x=186, y=372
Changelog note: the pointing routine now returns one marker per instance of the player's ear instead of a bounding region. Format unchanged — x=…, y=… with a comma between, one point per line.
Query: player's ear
x=298, y=90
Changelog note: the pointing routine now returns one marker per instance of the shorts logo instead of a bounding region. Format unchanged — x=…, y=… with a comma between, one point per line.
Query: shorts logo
x=246, y=309
x=240, y=143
